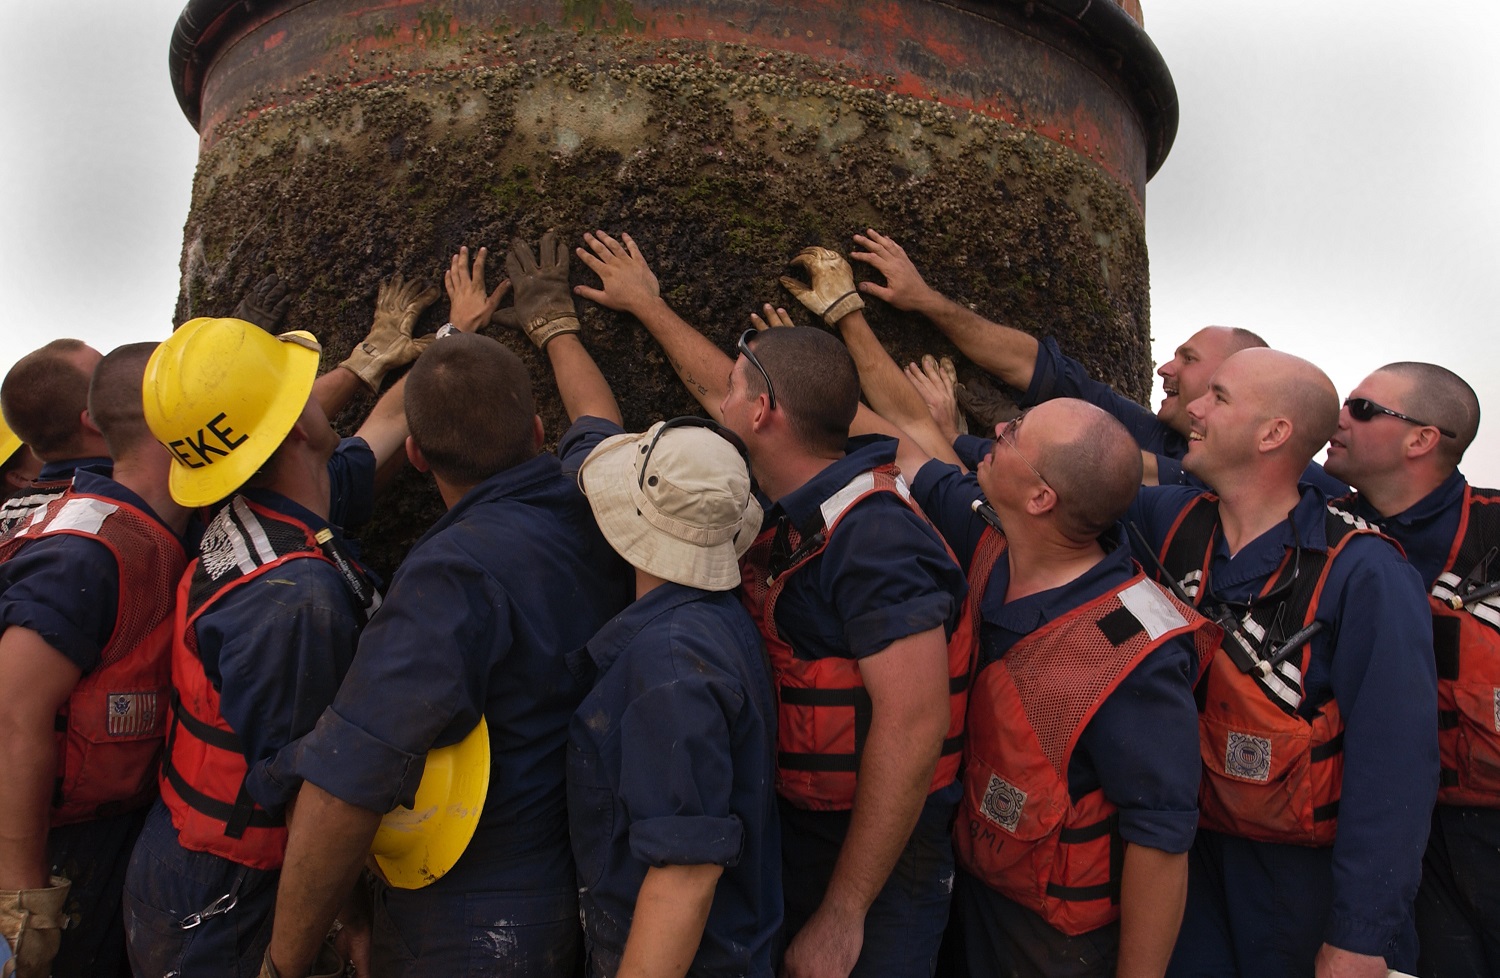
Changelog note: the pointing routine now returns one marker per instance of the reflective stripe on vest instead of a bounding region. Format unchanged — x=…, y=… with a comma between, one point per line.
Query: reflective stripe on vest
x=1272, y=765
x=110, y=729
x=823, y=708
x=29, y=504
x=1019, y=830
x=1467, y=644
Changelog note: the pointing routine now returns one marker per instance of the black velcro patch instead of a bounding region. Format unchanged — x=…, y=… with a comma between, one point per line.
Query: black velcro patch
x=1445, y=646
x=1120, y=626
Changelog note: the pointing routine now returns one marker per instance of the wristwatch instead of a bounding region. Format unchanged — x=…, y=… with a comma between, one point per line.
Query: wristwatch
x=447, y=329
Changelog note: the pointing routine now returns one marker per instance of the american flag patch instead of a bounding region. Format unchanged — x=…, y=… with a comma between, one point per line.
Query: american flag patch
x=132, y=714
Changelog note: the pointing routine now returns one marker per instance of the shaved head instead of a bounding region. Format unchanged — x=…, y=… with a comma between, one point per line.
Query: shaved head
x=1441, y=398
x=1091, y=462
x=1290, y=387
x=115, y=401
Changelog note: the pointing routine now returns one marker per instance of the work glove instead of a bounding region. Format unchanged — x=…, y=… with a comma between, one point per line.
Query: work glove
x=32, y=921
x=390, y=344
x=832, y=294
x=266, y=304
x=544, y=302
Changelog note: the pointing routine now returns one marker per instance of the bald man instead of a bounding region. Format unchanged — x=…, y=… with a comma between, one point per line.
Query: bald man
x=45, y=400
x=1319, y=748
x=1040, y=370
x=1401, y=435
x=1081, y=766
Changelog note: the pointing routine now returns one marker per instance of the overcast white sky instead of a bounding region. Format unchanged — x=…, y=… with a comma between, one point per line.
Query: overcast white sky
x=1332, y=186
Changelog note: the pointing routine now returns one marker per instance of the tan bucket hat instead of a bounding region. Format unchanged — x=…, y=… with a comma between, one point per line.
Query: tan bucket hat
x=675, y=501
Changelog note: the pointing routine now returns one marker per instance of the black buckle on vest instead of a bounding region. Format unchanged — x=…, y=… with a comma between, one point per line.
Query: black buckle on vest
x=783, y=557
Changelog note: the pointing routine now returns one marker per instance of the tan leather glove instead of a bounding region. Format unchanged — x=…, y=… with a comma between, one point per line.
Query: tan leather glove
x=390, y=344
x=32, y=920
x=544, y=303
x=832, y=295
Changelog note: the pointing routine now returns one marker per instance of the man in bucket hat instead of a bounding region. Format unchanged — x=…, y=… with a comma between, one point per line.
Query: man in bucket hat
x=266, y=623
x=671, y=757
x=860, y=605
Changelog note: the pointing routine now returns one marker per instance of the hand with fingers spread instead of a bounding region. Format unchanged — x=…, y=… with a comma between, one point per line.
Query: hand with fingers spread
x=266, y=304
x=627, y=282
x=937, y=382
x=832, y=294
x=544, y=306
x=390, y=342
x=904, y=286
x=776, y=318
x=469, y=305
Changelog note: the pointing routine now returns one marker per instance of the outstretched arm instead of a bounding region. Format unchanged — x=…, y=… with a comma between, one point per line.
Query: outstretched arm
x=1007, y=353
x=582, y=386
x=628, y=285
x=544, y=311
x=890, y=394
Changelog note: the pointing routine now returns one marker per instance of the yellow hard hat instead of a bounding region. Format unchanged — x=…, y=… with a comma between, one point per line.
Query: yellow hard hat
x=221, y=395
x=416, y=846
x=10, y=442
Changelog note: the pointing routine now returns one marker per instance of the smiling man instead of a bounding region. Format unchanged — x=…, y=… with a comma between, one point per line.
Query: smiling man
x=1039, y=369
x=1401, y=435
x=1320, y=756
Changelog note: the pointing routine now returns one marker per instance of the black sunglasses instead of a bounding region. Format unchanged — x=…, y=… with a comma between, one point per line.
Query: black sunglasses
x=744, y=347
x=689, y=421
x=1363, y=409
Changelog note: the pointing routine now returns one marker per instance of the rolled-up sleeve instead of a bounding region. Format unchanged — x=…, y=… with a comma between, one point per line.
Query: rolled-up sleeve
x=411, y=687
x=891, y=578
x=676, y=778
x=1146, y=737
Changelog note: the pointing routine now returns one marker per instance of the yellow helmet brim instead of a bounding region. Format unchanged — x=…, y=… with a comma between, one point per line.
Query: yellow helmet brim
x=221, y=396
x=419, y=845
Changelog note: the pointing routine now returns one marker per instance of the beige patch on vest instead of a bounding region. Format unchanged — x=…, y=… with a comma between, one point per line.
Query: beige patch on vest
x=1003, y=803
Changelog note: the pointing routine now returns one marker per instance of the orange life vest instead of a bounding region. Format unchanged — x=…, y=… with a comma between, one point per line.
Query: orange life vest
x=823, y=709
x=1467, y=643
x=1272, y=769
x=110, y=729
x=203, y=775
x=1019, y=829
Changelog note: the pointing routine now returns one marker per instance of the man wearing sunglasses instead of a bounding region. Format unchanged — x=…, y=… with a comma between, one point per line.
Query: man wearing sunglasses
x=857, y=597
x=1318, y=737
x=1081, y=766
x=1041, y=371
x=1402, y=433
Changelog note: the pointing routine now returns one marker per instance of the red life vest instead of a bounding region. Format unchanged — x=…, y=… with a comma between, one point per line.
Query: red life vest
x=823, y=707
x=110, y=729
x=28, y=503
x=203, y=775
x=1467, y=643
x=1272, y=769
x=1019, y=829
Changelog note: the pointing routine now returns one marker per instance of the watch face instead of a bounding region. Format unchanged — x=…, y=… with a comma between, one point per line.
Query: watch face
x=447, y=329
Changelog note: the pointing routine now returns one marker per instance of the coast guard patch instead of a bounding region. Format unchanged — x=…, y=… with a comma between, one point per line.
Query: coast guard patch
x=132, y=714
x=1003, y=803
x=1248, y=757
